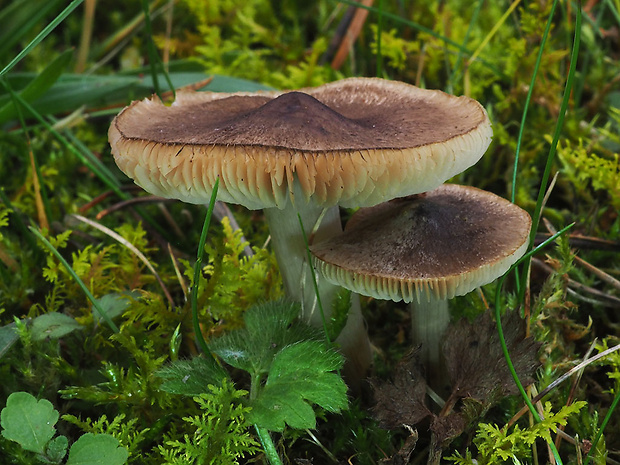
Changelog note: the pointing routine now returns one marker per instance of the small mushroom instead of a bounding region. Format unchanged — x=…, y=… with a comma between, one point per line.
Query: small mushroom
x=426, y=249
x=355, y=142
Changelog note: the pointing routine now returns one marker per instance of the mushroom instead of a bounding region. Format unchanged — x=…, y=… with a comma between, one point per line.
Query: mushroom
x=354, y=142
x=424, y=250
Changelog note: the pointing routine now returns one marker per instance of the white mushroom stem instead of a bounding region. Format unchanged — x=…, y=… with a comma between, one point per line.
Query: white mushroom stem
x=429, y=320
x=290, y=250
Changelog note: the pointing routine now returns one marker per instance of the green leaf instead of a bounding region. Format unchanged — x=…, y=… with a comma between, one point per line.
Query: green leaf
x=28, y=422
x=57, y=449
x=191, y=377
x=218, y=84
x=72, y=91
x=269, y=327
x=53, y=325
x=300, y=376
x=8, y=336
x=37, y=87
x=100, y=449
x=114, y=304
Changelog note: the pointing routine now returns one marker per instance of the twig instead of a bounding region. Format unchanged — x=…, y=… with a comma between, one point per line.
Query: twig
x=571, y=394
x=177, y=270
x=603, y=298
x=130, y=202
x=349, y=38
x=561, y=379
x=173, y=224
x=591, y=268
x=584, y=242
x=598, y=272
x=101, y=197
x=222, y=211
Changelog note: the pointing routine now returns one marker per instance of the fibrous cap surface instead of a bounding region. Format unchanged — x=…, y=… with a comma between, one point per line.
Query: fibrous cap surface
x=436, y=245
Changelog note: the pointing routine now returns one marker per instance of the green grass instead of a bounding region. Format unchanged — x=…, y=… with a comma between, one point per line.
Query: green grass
x=545, y=72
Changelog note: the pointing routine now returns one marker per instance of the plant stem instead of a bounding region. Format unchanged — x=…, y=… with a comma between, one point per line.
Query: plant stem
x=502, y=339
x=268, y=445
x=197, y=269
x=263, y=435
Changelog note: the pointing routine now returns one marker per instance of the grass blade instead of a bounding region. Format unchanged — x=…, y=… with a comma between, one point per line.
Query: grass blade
x=456, y=71
x=37, y=87
x=599, y=434
x=500, y=331
x=528, y=98
x=77, y=279
x=554, y=144
x=96, y=168
x=314, y=280
x=19, y=18
x=379, y=33
x=198, y=268
x=154, y=58
x=41, y=35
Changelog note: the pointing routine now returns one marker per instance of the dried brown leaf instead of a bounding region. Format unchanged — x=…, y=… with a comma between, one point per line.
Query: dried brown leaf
x=476, y=363
x=447, y=428
x=401, y=402
x=403, y=456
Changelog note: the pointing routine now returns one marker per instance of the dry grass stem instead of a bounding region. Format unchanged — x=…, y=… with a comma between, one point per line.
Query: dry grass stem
x=132, y=248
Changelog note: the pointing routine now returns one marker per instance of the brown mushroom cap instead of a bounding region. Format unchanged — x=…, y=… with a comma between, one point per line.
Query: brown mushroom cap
x=436, y=245
x=354, y=142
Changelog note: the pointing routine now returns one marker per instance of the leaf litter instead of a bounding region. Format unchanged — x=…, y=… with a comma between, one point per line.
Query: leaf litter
x=478, y=374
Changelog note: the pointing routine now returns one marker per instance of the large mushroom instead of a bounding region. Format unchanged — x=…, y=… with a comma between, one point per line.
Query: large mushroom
x=426, y=249
x=355, y=142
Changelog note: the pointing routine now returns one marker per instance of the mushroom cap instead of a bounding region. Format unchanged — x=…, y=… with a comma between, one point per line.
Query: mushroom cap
x=441, y=244
x=354, y=142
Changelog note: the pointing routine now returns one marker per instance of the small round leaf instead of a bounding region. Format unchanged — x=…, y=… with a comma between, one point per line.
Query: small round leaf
x=100, y=449
x=28, y=422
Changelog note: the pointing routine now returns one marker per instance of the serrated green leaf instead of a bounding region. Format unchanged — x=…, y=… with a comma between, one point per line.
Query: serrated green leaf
x=277, y=406
x=100, y=449
x=53, y=325
x=300, y=374
x=271, y=317
x=269, y=328
x=57, y=449
x=28, y=422
x=191, y=377
x=8, y=337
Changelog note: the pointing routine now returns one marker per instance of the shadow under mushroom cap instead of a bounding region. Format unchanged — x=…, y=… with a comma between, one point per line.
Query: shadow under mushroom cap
x=355, y=142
